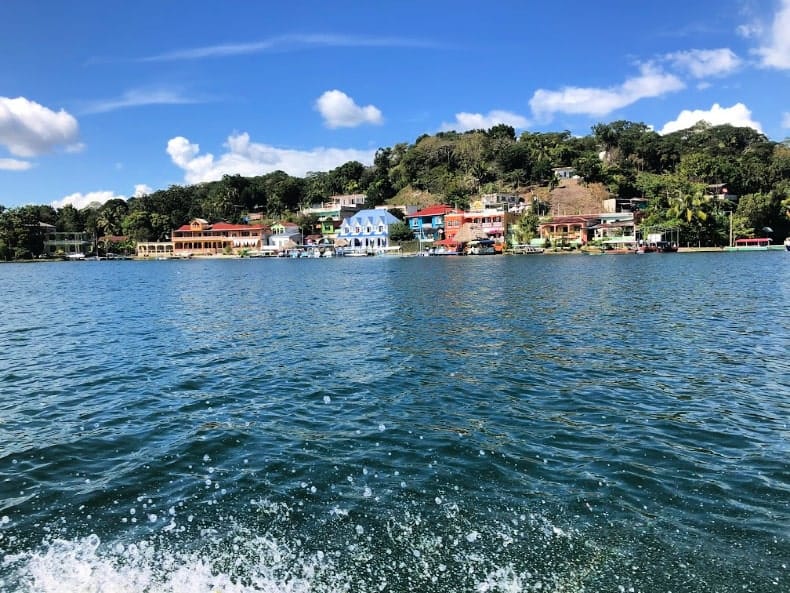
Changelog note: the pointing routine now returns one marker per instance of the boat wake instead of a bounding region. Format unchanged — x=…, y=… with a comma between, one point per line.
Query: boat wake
x=346, y=550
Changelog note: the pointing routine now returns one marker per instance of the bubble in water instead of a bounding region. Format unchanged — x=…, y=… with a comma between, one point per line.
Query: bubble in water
x=382, y=428
x=367, y=492
x=327, y=399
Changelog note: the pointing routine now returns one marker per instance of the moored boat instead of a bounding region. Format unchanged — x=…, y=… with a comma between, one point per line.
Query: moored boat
x=525, y=250
x=787, y=243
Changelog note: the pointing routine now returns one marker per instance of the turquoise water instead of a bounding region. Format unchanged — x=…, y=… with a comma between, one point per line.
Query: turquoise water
x=537, y=423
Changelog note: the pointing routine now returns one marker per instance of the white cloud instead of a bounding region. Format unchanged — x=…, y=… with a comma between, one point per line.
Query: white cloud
x=737, y=115
x=250, y=159
x=478, y=121
x=599, y=101
x=139, y=98
x=701, y=63
x=786, y=120
x=776, y=51
x=28, y=129
x=80, y=200
x=15, y=165
x=141, y=189
x=340, y=111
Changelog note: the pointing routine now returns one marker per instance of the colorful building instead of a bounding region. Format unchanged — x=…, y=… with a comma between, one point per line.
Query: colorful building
x=285, y=235
x=330, y=214
x=492, y=221
x=201, y=238
x=428, y=224
x=568, y=230
x=367, y=230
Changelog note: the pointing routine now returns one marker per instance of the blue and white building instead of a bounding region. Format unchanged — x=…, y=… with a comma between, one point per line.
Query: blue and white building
x=367, y=230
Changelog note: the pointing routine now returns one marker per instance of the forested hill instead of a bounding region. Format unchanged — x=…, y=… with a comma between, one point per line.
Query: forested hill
x=673, y=172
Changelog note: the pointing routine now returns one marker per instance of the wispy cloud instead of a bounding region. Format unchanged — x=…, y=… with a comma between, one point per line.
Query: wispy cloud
x=140, y=98
x=285, y=43
x=786, y=120
x=15, y=165
x=702, y=63
x=341, y=111
x=651, y=82
x=480, y=121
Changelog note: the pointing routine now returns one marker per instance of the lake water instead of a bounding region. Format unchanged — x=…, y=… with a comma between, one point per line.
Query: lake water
x=527, y=423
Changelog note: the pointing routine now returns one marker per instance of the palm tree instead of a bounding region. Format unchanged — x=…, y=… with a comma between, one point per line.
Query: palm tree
x=693, y=209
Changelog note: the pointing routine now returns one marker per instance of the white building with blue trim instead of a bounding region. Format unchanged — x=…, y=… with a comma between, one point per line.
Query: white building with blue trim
x=367, y=230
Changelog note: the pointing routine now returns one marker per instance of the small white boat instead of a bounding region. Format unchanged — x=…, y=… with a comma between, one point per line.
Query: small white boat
x=525, y=250
x=787, y=243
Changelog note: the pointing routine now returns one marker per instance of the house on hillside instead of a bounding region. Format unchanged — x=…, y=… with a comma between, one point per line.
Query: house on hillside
x=720, y=191
x=564, y=172
x=498, y=200
x=367, y=230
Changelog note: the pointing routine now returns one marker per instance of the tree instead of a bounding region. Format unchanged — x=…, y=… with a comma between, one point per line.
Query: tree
x=110, y=217
x=307, y=224
x=400, y=231
x=756, y=212
x=69, y=220
x=137, y=226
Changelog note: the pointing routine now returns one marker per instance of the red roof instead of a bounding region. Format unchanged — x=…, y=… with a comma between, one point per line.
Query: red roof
x=572, y=219
x=224, y=226
x=431, y=211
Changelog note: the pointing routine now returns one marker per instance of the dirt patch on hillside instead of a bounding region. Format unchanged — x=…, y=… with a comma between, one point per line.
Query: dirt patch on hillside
x=573, y=196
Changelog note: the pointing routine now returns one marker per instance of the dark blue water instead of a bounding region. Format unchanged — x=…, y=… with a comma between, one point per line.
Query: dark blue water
x=537, y=423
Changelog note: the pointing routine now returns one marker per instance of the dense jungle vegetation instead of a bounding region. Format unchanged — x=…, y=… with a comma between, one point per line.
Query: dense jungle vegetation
x=673, y=172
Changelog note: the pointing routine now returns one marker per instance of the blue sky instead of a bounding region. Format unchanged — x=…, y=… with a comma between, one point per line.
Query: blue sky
x=109, y=98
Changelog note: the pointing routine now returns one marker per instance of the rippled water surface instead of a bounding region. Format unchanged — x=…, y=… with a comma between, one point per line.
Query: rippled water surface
x=534, y=423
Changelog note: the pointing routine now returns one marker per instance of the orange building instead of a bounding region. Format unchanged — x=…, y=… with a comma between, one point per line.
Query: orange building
x=489, y=220
x=201, y=238
x=569, y=230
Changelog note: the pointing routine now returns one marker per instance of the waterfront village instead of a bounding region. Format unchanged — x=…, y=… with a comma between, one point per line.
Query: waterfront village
x=344, y=227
